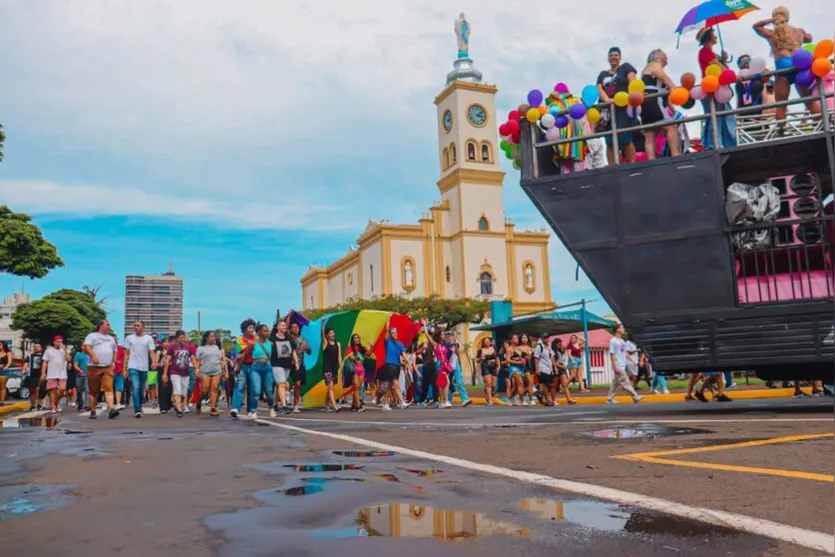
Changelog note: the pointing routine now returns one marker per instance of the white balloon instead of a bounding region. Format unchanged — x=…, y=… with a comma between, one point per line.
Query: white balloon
x=697, y=93
x=723, y=94
x=746, y=73
x=757, y=65
x=552, y=134
x=547, y=121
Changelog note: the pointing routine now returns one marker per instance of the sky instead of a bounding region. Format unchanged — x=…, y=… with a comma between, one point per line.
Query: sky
x=243, y=141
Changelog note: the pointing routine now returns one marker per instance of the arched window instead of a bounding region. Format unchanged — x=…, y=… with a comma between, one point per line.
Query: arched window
x=448, y=274
x=371, y=272
x=471, y=151
x=452, y=153
x=483, y=225
x=486, y=282
x=485, y=152
x=446, y=158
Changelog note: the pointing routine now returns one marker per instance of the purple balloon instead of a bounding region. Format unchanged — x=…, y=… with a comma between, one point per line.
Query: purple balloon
x=805, y=79
x=802, y=59
x=577, y=110
x=561, y=88
x=535, y=97
x=561, y=122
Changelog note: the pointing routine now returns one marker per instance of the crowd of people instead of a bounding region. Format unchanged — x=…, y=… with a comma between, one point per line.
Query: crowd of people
x=665, y=137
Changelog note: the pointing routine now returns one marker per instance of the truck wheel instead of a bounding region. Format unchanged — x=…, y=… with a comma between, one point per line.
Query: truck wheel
x=23, y=393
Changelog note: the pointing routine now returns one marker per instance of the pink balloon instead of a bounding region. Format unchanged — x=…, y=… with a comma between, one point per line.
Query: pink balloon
x=723, y=94
x=697, y=93
x=553, y=134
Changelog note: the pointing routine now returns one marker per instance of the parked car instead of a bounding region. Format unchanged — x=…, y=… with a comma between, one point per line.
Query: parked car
x=16, y=385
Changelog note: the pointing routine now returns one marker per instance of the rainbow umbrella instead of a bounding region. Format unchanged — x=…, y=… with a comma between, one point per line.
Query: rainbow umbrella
x=713, y=12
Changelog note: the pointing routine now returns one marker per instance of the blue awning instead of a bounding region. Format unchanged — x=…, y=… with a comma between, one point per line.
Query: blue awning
x=553, y=322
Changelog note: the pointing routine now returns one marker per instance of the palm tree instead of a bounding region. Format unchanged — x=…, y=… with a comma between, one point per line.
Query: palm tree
x=93, y=292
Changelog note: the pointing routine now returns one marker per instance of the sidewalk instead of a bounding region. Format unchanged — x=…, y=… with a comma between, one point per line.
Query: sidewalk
x=9, y=407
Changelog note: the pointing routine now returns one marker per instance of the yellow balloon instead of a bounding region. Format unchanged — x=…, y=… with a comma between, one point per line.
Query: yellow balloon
x=621, y=99
x=714, y=69
x=593, y=116
x=637, y=86
x=532, y=115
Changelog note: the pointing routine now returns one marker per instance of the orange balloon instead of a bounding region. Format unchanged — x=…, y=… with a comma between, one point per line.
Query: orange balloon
x=679, y=96
x=821, y=67
x=636, y=98
x=824, y=49
x=710, y=83
x=688, y=80
x=542, y=109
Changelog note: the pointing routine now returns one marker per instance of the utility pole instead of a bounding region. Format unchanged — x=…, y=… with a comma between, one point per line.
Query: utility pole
x=199, y=327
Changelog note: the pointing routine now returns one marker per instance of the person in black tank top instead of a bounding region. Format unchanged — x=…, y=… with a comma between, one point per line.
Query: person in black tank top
x=488, y=360
x=430, y=372
x=331, y=361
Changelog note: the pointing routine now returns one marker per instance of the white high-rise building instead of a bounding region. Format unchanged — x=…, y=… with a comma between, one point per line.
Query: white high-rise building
x=8, y=335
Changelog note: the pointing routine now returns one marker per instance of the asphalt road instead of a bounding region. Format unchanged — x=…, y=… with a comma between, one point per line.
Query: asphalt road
x=212, y=486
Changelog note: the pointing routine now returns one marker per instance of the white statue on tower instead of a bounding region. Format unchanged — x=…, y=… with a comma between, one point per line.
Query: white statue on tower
x=528, y=277
x=407, y=271
x=462, y=31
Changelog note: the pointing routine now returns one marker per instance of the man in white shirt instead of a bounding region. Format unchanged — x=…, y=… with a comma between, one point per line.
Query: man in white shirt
x=632, y=361
x=618, y=354
x=140, y=356
x=54, y=368
x=101, y=347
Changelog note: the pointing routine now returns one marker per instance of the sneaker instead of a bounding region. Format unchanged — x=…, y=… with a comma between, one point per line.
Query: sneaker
x=234, y=413
x=436, y=405
x=655, y=392
x=723, y=398
x=701, y=396
x=525, y=403
x=801, y=394
x=732, y=386
x=386, y=408
x=423, y=405
x=252, y=415
x=137, y=415
x=186, y=409
x=406, y=405
x=112, y=414
x=286, y=410
x=296, y=410
x=637, y=399
x=466, y=403
x=666, y=391
x=611, y=401
x=179, y=413
x=92, y=414
x=213, y=412
x=273, y=412
x=489, y=403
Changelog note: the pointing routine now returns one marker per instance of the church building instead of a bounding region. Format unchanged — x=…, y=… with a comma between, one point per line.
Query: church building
x=464, y=246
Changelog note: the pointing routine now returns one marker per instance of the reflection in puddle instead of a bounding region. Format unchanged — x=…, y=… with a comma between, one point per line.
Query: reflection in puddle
x=318, y=480
x=425, y=473
x=20, y=500
x=402, y=520
x=642, y=431
x=612, y=517
x=363, y=454
x=323, y=467
x=44, y=422
x=303, y=490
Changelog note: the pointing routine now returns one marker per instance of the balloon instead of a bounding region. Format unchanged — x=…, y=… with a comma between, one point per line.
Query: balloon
x=746, y=73
x=637, y=86
x=636, y=98
x=756, y=87
x=621, y=99
x=509, y=156
x=504, y=145
x=552, y=134
x=688, y=80
x=589, y=95
x=517, y=165
x=698, y=93
x=535, y=97
x=513, y=127
x=542, y=109
x=710, y=83
x=547, y=121
x=821, y=67
x=825, y=48
x=810, y=47
x=679, y=96
x=727, y=77
x=503, y=130
x=691, y=102
x=577, y=110
x=532, y=115
x=805, y=78
x=714, y=70
x=561, y=88
x=513, y=115
x=554, y=109
x=757, y=65
x=802, y=59
x=515, y=137
x=523, y=109
x=723, y=94
x=633, y=111
x=593, y=116
x=561, y=122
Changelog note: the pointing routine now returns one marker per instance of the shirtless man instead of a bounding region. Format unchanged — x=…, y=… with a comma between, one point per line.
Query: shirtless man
x=784, y=40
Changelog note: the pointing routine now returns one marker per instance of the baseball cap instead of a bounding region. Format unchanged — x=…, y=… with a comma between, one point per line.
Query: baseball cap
x=57, y=337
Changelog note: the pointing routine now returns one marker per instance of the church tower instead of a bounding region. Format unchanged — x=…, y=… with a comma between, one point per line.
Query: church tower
x=471, y=182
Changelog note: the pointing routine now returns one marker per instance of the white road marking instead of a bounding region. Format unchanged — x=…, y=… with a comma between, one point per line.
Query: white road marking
x=586, y=421
x=811, y=539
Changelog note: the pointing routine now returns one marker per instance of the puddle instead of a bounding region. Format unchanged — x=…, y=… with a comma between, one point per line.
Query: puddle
x=20, y=500
x=319, y=480
x=641, y=431
x=403, y=520
x=387, y=477
x=612, y=517
x=323, y=467
x=303, y=490
x=363, y=454
x=425, y=473
x=43, y=422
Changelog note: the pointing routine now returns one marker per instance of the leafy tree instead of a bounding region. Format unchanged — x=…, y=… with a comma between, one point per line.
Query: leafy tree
x=83, y=302
x=447, y=313
x=23, y=249
x=42, y=319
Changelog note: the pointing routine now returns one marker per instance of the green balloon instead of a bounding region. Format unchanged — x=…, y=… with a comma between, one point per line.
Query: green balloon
x=504, y=145
x=810, y=47
x=509, y=156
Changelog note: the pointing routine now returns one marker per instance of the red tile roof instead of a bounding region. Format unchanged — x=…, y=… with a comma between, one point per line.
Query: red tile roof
x=598, y=338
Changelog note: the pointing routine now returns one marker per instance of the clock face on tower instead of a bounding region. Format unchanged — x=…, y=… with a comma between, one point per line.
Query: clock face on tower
x=447, y=121
x=477, y=115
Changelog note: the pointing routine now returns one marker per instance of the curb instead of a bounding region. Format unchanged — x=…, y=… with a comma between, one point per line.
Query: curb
x=652, y=399
x=14, y=407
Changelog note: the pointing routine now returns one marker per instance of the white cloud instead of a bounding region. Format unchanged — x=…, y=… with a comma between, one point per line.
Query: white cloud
x=82, y=200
